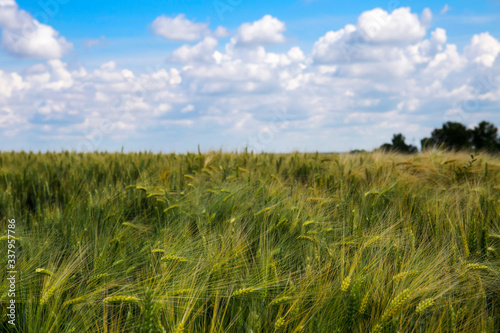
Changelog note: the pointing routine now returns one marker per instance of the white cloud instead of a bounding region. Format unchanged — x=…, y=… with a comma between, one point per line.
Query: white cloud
x=267, y=30
x=377, y=35
x=10, y=82
x=483, y=49
x=221, y=32
x=63, y=78
x=179, y=28
x=426, y=18
x=445, y=62
x=422, y=52
x=445, y=9
x=94, y=42
x=201, y=52
x=400, y=26
x=188, y=108
x=25, y=37
x=296, y=54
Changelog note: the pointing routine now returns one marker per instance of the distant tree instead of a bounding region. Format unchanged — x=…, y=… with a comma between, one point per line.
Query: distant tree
x=427, y=143
x=386, y=147
x=358, y=151
x=399, y=145
x=451, y=136
x=485, y=137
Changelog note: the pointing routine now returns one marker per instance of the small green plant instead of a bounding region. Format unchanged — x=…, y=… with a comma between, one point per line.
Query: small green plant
x=464, y=171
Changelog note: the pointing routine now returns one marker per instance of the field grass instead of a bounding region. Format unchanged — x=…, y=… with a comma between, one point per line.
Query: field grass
x=222, y=242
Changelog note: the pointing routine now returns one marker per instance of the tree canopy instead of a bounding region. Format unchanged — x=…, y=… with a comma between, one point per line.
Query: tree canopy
x=399, y=145
x=452, y=136
x=485, y=137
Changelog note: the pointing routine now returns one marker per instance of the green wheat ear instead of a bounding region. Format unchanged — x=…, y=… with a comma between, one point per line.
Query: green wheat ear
x=403, y=275
x=397, y=302
x=310, y=239
x=243, y=291
x=74, y=301
x=44, y=271
x=394, y=306
x=377, y=328
x=120, y=299
x=279, y=300
x=172, y=258
x=181, y=292
x=98, y=277
x=372, y=241
x=128, y=224
x=477, y=267
x=345, y=284
x=308, y=223
x=47, y=295
x=180, y=328
x=280, y=322
x=424, y=305
x=364, y=303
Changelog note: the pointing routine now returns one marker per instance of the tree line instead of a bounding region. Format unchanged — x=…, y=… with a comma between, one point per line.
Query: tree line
x=452, y=136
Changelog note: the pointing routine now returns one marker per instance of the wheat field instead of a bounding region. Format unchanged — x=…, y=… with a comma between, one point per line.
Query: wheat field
x=243, y=242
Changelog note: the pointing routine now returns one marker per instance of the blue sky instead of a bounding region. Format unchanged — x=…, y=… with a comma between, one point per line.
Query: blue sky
x=274, y=76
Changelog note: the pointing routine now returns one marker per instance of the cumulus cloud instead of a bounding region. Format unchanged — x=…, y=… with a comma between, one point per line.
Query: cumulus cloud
x=483, y=49
x=10, y=82
x=179, y=28
x=376, y=35
x=221, y=32
x=267, y=30
x=25, y=37
x=201, y=52
x=400, y=26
